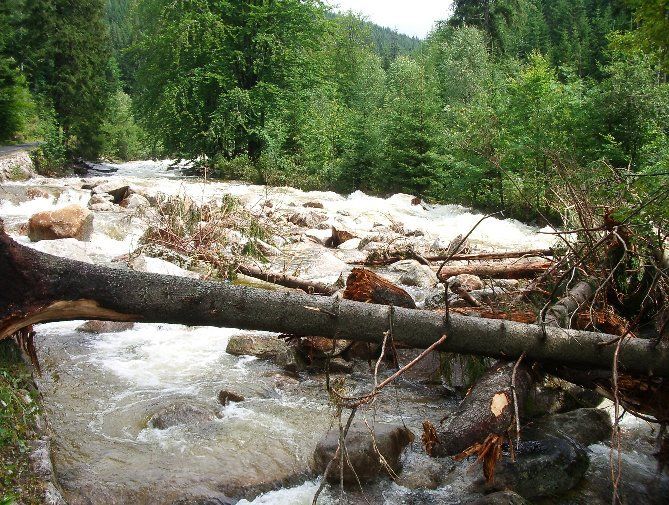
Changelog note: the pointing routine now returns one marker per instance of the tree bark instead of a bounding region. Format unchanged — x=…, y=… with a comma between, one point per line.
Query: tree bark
x=488, y=409
x=38, y=287
x=516, y=270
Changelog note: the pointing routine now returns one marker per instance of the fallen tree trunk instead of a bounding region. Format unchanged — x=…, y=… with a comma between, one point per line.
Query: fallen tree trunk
x=482, y=256
x=516, y=270
x=38, y=287
x=488, y=409
x=311, y=287
x=561, y=312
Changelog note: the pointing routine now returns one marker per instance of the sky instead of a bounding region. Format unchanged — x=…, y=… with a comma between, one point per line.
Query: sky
x=412, y=17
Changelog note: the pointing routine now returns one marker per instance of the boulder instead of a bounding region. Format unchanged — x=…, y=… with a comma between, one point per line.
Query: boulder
x=105, y=326
x=69, y=248
x=134, y=201
x=641, y=483
x=585, y=426
x=313, y=205
x=260, y=345
x=364, y=459
x=412, y=273
x=307, y=219
x=468, y=282
x=435, y=298
x=544, y=468
x=555, y=397
x=180, y=413
x=350, y=245
x=421, y=471
x=148, y=264
x=117, y=189
x=72, y=221
x=225, y=397
x=33, y=193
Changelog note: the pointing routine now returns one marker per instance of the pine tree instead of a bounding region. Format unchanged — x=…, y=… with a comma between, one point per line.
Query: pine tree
x=67, y=57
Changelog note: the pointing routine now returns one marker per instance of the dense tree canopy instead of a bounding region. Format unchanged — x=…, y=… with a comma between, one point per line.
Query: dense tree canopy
x=493, y=109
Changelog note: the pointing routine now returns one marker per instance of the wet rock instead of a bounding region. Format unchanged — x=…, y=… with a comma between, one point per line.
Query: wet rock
x=284, y=381
x=350, y=245
x=116, y=189
x=33, y=193
x=105, y=326
x=585, y=426
x=267, y=249
x=180, y=413
x=307, y=219
x=435, y=298
x=225, y=397
x=545, y=468
x=500, y=498
x=66, y=248
x=16, y=166
x=460, y=371
x=102, y=207
x=144, y=263
x=468, y=282
x=412, y=273
x=318, y=236
x=290, y=359
x=422, y=472
x=313, y=205
x=40, y=459
x=134, y=201
x=640, y=482
x=261, y=345
x=339, y=365
x=72, y=221
x=555, y=397
x=427, y=370
x=390, y=441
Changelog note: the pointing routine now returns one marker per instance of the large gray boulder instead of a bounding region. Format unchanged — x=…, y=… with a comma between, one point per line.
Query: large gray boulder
x=542, y=469
x=585, y=426
x=390, y=442
x=412, y=273
x=180, y=413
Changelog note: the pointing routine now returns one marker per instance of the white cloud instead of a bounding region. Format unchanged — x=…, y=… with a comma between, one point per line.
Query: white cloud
x=412, y=17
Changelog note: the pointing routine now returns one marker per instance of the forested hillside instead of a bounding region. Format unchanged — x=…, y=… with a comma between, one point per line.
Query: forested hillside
x=502, y=105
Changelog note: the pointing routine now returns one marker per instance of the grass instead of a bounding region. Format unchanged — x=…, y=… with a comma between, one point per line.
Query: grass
x=215, y=235
x=19, y=408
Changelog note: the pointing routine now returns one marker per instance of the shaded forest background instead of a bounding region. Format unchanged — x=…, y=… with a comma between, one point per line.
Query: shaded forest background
x=517, y=105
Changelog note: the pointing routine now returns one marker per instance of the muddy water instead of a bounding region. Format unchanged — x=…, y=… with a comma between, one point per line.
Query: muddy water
x=100, y=390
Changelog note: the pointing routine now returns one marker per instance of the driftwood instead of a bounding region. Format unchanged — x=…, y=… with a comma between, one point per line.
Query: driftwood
x=488, y=409
x=311, y=287
x=525, y=269
x=482, y=256
x=38, y=287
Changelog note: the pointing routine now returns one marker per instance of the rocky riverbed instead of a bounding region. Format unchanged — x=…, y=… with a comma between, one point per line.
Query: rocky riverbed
x=150, y=413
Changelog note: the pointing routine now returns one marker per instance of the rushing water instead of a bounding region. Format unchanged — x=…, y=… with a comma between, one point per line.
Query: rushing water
x=100, y=390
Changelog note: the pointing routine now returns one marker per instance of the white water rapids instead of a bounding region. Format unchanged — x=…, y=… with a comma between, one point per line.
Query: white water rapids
x=99, y=390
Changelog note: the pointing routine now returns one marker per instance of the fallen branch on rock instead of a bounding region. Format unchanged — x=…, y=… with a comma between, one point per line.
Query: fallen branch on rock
x=482, y=256
x=525, y=269
x=311, y=287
